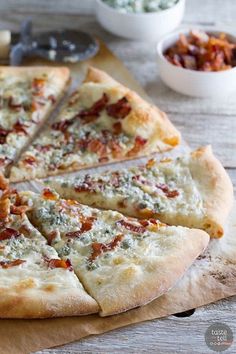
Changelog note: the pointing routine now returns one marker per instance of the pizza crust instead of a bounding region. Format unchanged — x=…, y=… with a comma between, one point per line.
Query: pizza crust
x=215, y=187
x=30, y=303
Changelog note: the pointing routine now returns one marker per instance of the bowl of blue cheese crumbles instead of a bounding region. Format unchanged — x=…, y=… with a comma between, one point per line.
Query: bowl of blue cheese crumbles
x=140, y=6
x=140, y=19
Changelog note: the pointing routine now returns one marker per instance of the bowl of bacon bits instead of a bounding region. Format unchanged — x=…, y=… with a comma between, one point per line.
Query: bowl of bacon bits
x=198, y=63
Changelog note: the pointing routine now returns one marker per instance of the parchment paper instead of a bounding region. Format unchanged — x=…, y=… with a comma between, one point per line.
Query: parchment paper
x=211, y=277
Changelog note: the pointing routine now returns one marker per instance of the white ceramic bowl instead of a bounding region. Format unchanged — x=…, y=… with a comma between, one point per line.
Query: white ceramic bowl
x=145, y=26
x=194, y=83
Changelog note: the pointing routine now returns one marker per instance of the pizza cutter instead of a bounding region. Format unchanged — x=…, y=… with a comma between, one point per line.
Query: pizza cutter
x=68, y=46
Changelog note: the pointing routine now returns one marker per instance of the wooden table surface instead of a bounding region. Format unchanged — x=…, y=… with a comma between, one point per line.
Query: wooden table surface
x=200, y=121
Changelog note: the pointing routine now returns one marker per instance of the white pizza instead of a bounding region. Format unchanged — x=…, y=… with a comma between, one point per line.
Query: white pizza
x=27, y=96
x=122, y=262
x=193, y=190
x=101, y=122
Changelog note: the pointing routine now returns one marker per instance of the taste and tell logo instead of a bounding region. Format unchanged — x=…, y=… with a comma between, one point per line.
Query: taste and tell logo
x=219, y=337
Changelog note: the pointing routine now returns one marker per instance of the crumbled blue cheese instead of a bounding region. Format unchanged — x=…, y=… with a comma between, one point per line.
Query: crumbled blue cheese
x=139, y=6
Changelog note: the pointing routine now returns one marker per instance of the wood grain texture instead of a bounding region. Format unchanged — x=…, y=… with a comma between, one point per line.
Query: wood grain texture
x=166, y=336
x=200, y=121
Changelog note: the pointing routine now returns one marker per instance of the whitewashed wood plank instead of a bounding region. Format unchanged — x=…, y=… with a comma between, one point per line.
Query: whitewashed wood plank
x=219, y=131
x=210, y=12
x=166, y=336
x=52, y=6
x=232, y=174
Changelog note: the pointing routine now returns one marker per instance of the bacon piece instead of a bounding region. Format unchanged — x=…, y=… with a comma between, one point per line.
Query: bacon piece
x=19, y=210
x=48, y=194
x=87, y=225
x=38, y=86
x=51, y=236
x=84, y=187
x=120, y=109
x=8, y=233
x=29, y=160
x=99, y=248
x=117, y=128
x=172, y=194
x=62, y=125
x=9, y=193
x=3, y=160
x=144, y=223
x=35, y=106
x=73, y=234
x=154, y=221
x=67, y=204
x=20, y=128
x=59, y=263
x=3, y=134
x=150, y=163
x=52, y=98
x=138, y=145
x=131, y=227
x=9, y=264
x=4, y=208
x=97, y=146
x=83, y=144
x=115, y=179
x=3, y=182
x=115, y=148
x=165, y=189
x=44, y=148
x=96, y=108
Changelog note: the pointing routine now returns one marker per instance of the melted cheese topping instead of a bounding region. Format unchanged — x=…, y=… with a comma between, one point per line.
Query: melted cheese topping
x=115, y=257
x=55, y=149
x=141, y=188
x=34, y=272
x=136, y=242
x=19, y=104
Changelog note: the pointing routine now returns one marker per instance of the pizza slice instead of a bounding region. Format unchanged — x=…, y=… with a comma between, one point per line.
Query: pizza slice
x=122, y=262
x=102, y=122
x=27, y=96
x=34, y=281
x=193, y=190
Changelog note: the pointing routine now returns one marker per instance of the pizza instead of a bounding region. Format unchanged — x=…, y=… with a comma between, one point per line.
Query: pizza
x=122, y=262
x=34, y=281
x=27, y=96
x=192, y=190
x=101, y=122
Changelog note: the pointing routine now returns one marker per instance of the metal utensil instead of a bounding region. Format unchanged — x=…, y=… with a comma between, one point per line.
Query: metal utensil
x=63, y=46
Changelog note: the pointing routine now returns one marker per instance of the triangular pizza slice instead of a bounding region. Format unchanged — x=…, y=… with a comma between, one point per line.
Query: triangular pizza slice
x=34, y=281
x=27, y=96
x=102, y=122
x=193, y=190
x=122, y=262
